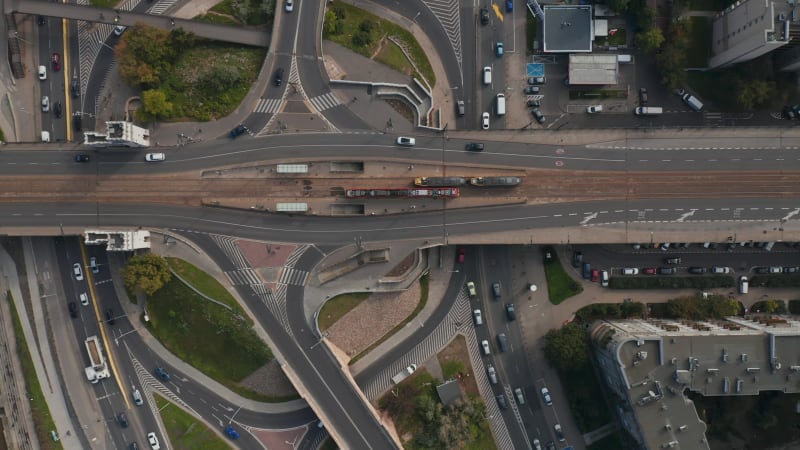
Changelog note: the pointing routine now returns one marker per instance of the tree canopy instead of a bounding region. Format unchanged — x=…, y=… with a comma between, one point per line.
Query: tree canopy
x=146, y=273
x=146, y=54
x=566, y=347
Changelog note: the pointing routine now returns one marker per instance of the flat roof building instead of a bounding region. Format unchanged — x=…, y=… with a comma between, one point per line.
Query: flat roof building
x=650, y=363
x=747, y=30
x=593, y=69
x=568, y=29
x=119, y=134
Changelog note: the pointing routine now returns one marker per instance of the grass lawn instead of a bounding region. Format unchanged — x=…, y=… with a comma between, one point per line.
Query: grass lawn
x=698, y=54
x=335, y=308
x=423, y=282
x=619, y=38
x=530, y=32
x=103, y=3
x=184, y=85
x=224, y=7
x=352, y=18
x=216, y=18
x=560, y=286
x=585, y=398
x=42, y=420
x=185, y=432
x=221, y=344
x=203, y=282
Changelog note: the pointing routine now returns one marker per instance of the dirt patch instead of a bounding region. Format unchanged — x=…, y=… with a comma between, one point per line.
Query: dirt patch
x=270, y=380
x=403, y=266
x=372, y=319
x=402, y=108
x=456, y=354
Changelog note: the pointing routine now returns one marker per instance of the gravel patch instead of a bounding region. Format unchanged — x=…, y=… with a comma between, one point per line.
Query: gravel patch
x=372, y=319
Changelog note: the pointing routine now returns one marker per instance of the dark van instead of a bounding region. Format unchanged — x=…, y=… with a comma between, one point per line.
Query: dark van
x=587, y=271
x=502, y=342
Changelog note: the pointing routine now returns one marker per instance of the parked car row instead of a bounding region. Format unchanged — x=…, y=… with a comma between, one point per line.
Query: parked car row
x=776, y=270
x=709, y=245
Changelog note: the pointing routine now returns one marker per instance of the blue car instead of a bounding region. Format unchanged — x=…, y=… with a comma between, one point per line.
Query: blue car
x=509, y=5
x=498, y=49
x=233, y=434
x=161, y=373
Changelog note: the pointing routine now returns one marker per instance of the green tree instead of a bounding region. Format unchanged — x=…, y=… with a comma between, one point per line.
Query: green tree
x=146, y=273
x=219, y=78
x=155, y=106
x=645, y=17
x=331, y=22
x=752, y=93
x=566, y=347
x=145, y=56
x=651, y=40
x=619, y=6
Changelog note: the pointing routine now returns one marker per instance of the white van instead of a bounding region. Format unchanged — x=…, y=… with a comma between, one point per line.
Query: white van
x=45, y=136
x=648, y=111
x=487, y=75
x=692, y=101
x=604, y=278
x=743, y=285
x=501, y=105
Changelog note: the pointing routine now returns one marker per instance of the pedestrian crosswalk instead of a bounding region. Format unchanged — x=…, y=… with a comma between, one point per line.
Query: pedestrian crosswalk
x=324, y=101
x=293, y=276
x=160, y=7
x=448, y=13
x=441, y=335
x=268, y=105
x=231, y=249
x=296, y=254
x=243, y=277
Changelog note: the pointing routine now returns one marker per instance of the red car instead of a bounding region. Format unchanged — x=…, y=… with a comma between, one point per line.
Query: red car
x=649, y=271
x=462, y=256
x=595, y=275
x=56, y=60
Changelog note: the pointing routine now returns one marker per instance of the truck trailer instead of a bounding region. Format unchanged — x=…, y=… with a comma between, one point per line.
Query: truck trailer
x=98, y=368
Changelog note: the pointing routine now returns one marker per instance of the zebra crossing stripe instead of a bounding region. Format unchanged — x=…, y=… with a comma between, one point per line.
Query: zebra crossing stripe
x=231, y=249
x=325, y=101
x=296, y=254
x=243, y=277
x=293, y=276
x=268, y=105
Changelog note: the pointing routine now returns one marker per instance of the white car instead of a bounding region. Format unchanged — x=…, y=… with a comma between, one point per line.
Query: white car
x=289, y=6
x=42, y=73
x=155, y=157
x=471, y=289
x=630, y=271
x=594, y=109
x=478, y=317
x=93, y=265
x=84, y=299
x=485, y=121
x=153, y=440
x=546, y=396
x=45, y=103
x=119, y=29
x=77, y=271
x=485, y=346
x=406, y=141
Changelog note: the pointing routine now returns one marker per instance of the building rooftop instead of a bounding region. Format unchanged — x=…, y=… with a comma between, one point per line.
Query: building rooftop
x=449, y=391
x=119, y=134
x=748, y=29
x=568, y=29
x=658, y=360
x=593, y=69
x=118, y=240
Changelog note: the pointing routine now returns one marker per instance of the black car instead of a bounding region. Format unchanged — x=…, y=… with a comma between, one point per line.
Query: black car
x=667, y=270
x=74, y=88
x=110, y=316
x=538, y=115
x=496, y=290
x=278, y=79
x=484, y=15
x=42, y=21
x=534, y=103
x=697, y=270
x=73, y=310
x=57, y=110
x=123, y=420
x=82, y=158
x=77, y=122
x=475, y=146
x=239, y=130
x=501, y=401
x=161, y=373
x=510, y=312
x=762, y=270
x=789, y=113
x=642, y=96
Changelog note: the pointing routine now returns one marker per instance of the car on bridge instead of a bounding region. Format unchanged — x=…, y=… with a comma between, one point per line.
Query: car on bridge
x=406, y=141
